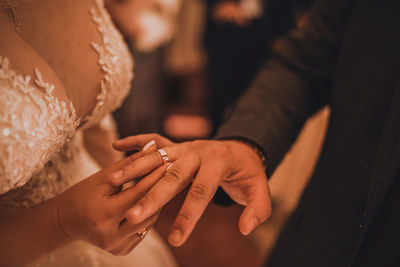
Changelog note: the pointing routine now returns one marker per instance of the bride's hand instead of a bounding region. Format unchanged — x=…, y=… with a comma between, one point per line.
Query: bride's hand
x=94, y=210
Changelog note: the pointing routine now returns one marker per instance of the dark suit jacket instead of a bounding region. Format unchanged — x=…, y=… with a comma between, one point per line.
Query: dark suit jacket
x=348, y=57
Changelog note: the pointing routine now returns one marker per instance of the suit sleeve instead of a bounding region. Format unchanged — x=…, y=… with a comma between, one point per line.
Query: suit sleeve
x=294, y=83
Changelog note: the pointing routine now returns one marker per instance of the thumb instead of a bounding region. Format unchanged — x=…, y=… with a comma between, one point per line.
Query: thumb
x=258, y=208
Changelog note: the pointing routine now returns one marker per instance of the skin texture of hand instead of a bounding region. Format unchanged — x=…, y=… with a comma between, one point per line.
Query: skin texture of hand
x=205, y=165
x=92, y=210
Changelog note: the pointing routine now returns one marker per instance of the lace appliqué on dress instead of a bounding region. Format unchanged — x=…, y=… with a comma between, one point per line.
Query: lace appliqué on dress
x=114, y=63
x=40, y=161
x=34, y=125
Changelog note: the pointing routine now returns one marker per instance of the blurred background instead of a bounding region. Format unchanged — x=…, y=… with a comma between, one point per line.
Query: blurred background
x=193, y=59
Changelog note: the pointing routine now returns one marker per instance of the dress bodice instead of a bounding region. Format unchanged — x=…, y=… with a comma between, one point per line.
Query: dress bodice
x=42, y=151
x=41, y=146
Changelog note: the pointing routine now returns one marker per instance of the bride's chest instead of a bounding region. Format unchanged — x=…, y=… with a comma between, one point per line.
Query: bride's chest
x=79, y=41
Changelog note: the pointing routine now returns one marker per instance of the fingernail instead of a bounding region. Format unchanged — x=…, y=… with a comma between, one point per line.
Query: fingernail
x=170, y=166
x=117, y=175
x=148, y=145
x=136, y=210
x=175, y=236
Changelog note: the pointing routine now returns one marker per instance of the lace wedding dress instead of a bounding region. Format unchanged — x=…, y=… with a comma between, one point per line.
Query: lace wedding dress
x=42, y=151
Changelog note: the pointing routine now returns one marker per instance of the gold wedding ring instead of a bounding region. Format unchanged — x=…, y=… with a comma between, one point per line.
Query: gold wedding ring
x=142, y=233
x=163, y=155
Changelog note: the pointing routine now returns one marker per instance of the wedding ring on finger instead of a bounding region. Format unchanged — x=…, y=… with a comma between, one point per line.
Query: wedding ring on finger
x=164, y=155
x=142, y=233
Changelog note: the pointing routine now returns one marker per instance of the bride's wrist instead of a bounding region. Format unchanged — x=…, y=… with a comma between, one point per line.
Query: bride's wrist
x=51, y=210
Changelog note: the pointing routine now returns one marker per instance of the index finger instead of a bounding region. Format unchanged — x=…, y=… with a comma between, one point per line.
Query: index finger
x=139, y=141
x=174, y=181
x=199, y=195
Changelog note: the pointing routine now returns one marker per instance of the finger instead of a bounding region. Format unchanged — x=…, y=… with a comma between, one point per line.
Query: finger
x=200, y=194
x=174, y=181
x=151, y=147
x=135, y=169
x=129, y=237
x=143, y=165
x=139, y=141
x=110, y=170
x=126, y=199
x=128, y=228
x=258, y=208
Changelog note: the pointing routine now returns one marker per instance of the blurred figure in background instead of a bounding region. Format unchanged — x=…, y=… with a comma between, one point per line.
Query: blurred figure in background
x=238, y=34
x=147, y=26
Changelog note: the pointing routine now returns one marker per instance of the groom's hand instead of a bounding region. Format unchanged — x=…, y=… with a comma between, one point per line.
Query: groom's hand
x=233, y=165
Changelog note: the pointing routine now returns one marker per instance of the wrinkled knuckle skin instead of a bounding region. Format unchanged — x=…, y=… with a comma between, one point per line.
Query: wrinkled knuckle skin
x=157, y=157
x=184, y=219
x=132, y=158
x=174, y=175
x=199, y=191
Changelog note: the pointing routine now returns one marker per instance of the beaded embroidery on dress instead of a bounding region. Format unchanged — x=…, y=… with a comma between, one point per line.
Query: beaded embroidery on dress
x=33, y=123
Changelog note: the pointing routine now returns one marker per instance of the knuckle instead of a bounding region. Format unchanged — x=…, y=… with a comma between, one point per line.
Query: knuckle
x=156, y=157
x=132, y=158
x=147, y=199
x=224, y=149
x=183, y=218
x=194, y=159
x=130, y=217
x=199, y=191
x=174, y=175
x=200, y=144
x=131, y=166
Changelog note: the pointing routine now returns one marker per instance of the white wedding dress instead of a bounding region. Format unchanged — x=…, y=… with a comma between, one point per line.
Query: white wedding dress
x=42, y=151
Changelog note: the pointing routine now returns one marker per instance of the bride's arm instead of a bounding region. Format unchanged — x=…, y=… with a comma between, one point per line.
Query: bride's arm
x=35, y=122
x=93, y=211
x=32, y=232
